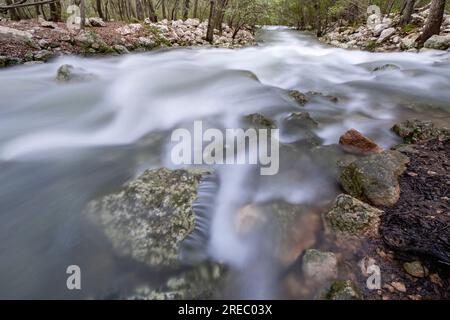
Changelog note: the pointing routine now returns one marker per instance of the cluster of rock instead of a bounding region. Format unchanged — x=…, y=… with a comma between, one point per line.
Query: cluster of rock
x=388, y=35
x=42, y=40
x=191, y=32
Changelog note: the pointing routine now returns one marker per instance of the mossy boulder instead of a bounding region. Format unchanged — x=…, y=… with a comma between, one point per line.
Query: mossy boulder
x=349, y=216
x=149, y=218
x=374, y=178
x=91, y=42
x=413, y=131
x=199, y=282
x=342, y=290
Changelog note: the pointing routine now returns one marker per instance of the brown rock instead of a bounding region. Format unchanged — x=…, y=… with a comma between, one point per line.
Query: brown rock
x=354, y=142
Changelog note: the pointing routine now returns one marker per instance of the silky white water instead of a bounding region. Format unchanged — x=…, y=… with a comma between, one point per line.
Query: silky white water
x=63, y=144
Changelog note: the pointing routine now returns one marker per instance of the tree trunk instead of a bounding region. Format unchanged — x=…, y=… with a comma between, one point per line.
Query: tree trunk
x=139, y=10
x=100, y=9
x=407, y=12
x=210, y=31
x=163, y=9
x=318, y=18
x=82, y=14
x=186, y=6
x=55, y=11
x=195, y=14
x=434, y=21
x=12, y=12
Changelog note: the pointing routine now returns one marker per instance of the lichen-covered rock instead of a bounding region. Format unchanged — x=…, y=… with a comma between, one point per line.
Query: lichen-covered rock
x=68, y=73
x=9, y=61
x=438, y=42
x=97, y=22
x=413, y=131
x=259, y=121
x=375, y=177
x=120, y=49
x=92, y=43
x=350, y=216
x=342, y=290
x=354, y=142
x=199, y=282
x=298, y=97
x=149, y=218
x=319, y=266
x=43, y=55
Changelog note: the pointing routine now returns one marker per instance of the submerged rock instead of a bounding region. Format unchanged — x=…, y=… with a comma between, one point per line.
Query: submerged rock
x=149, y=218
x=259, y=121
x=350, y=216
x=68, y=73
x=199, y=282
x=342, y=290
x=332, y=158
x=385, y=67
x=375, y=177
x=413, y=131
x=354, y=142
x=301, y=125
x=298, y=97
x=328, y=97
x=319, y=266
x=292, y=228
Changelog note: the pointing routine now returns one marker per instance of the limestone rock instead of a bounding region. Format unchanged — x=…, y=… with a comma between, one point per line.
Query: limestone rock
x=375, y=177
x=149, y=218
x=350, y=216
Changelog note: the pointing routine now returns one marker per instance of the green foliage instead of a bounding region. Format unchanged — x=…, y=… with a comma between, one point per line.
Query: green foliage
x=407, y=28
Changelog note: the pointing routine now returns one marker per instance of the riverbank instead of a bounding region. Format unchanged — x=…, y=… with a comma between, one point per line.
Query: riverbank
x=37, y=41
x=387, y=35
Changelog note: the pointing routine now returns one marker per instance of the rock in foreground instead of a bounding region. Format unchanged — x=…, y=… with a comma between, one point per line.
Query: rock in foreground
x=349, y=216
x=149, y=218
x=375, y=177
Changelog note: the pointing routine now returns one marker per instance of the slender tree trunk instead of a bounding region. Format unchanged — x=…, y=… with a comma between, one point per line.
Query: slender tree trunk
x=82, y=14
x=55, y=11
x=210, y=30
x=186, y=6
x=100, y=9
x=434, y=21
x=195, y=14
x=407, y=12
x=12, y=12
x=139, y=10
x=318, y=18
x=163, y=9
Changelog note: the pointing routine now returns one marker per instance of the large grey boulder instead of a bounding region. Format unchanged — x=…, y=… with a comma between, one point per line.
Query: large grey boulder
x=149, y=218
x=438, y=42
x=386, y=34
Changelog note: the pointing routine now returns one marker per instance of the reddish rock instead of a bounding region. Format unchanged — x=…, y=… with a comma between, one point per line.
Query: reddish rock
x=353, y=141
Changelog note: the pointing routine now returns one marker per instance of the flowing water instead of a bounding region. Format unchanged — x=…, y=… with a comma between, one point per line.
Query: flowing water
x=63, y=144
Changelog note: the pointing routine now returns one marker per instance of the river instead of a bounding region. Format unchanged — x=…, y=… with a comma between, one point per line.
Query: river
x=63, y=144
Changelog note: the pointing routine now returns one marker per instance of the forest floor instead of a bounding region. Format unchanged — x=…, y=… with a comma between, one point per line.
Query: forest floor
x=36, y=41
